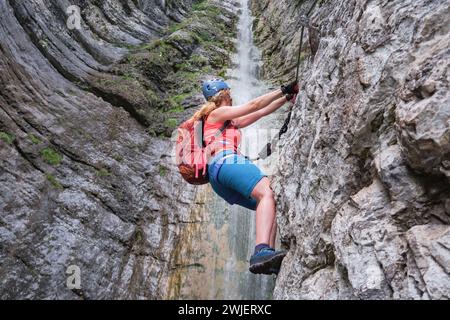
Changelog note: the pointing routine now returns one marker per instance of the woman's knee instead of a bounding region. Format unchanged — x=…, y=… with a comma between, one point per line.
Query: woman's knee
x=268, y=193
x=263, y=190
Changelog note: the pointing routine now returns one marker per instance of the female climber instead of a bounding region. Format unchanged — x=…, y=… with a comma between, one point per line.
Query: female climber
x=232, y=176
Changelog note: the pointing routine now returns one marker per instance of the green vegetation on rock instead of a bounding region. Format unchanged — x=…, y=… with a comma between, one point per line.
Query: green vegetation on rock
x=53, y=181
x=171, y=123
x=34, y=139
x=117, y=157
x=202, y=5
x=157, y=80
x=102, y=173
x=6, y=137
x=163, y=171
x=51, y=156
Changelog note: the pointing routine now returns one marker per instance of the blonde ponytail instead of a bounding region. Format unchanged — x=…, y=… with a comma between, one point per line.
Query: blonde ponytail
x=212, y=104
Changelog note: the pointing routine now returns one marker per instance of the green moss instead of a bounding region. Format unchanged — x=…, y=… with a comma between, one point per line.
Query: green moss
x=188, y=76
x=174, y=63
x=139, y=236
x=185, y=66
x=34, y=139
x=102, y=173
x=222, y=73
x=202, y=5
x=187, y=39
x=51, y=156
x=162, y=47
x=206, y=8
x=179, y=109
x=132, y=59
x=207, y=69
x=198, y=60
x=179, y=99
x=171, y=123
x=178, y=26
x=128, y=77
x=204, y=35
x=213, y=11
x=55, y=183
x=163, y=171
x=6, y=137
x=168, y=104
x=152, y=98
x=193, y=65
x=117, y=157
x=106, y=82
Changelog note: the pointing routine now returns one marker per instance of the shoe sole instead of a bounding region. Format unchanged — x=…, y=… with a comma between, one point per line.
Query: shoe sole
x=268, y=266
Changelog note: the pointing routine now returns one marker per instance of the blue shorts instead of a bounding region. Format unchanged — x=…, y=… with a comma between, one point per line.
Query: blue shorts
x=233, y=177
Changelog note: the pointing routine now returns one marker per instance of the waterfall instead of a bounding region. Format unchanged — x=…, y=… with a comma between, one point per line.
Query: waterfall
x=216, y=252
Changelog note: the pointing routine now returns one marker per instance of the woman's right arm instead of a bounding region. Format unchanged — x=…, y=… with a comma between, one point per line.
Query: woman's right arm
x=231, y=113
x=255, y=116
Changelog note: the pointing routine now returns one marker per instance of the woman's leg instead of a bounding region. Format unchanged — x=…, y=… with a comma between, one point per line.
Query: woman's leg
x=265, y=212
x=273, y=234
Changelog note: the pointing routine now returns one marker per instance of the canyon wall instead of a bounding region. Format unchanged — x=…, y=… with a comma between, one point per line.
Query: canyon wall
x=363, y=187
x=85, y=114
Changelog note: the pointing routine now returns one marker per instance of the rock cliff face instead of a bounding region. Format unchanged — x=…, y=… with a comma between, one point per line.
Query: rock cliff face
x=85, y=171
x=364, y=180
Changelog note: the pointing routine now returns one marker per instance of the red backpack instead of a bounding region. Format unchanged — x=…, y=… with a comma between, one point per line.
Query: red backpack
x=192, y=153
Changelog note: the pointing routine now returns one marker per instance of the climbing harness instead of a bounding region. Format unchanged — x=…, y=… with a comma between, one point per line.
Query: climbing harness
x=305, y=22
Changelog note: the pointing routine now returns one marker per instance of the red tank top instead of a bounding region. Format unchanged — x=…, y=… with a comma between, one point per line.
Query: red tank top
x=229, y=140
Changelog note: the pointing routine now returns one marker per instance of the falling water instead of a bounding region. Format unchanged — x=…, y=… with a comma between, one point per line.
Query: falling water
x=216, y=252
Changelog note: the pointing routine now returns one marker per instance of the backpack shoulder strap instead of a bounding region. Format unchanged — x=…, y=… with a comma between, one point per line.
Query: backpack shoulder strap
x=219, y=132
x=203, y=132
x=226, y=124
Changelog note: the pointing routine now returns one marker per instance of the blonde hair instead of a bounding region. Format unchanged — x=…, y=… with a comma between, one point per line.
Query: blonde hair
x=212, y=104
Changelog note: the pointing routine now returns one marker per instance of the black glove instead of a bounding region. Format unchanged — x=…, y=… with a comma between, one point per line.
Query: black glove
x=292, y=88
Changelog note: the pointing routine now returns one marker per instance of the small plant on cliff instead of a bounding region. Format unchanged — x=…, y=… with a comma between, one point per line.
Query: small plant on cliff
x=102, y=173
x=163, y=171
x=202, y=5
x=6, y=137
x=171, y=123
x=178, y=109
x=34, y=139
x=51, y=156
x=117, y=157
x=177, y=102
x=198, y=60
x=55, y=183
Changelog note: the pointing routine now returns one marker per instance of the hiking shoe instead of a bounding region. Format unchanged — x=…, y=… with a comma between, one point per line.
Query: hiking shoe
x=266, y=261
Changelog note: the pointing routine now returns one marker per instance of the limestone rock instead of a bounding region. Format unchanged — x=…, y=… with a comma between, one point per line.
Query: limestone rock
x=362, y=188
x=82, y=182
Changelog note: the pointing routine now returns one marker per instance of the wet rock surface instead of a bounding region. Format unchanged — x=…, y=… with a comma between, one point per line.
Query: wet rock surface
x=85, y=178
x=363, y=186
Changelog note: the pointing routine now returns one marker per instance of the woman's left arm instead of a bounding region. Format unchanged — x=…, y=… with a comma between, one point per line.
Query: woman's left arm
x=247, y=120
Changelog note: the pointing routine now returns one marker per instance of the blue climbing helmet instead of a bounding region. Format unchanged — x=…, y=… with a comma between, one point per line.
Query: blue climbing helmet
x=211, y=87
